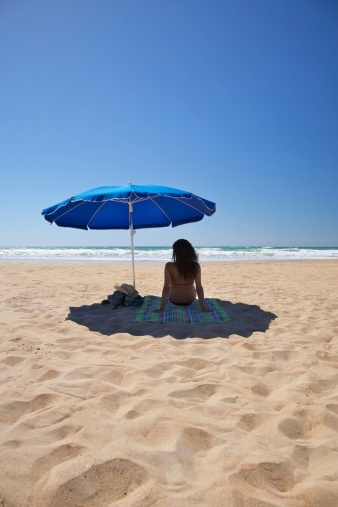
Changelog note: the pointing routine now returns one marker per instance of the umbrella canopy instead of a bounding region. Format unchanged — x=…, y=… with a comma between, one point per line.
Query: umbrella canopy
x=129, y=207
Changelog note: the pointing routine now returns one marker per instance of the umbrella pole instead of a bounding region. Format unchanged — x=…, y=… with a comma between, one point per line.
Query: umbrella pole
x=132, y=240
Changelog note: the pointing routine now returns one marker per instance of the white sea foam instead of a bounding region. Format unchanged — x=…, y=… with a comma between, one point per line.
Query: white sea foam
x=162, y=254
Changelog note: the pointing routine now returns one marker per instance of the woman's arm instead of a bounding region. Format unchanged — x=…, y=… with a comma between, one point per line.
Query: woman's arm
x=166, y=287
x=199, y=289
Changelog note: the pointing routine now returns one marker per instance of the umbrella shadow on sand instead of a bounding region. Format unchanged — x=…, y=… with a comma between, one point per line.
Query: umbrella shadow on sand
x=244, y=321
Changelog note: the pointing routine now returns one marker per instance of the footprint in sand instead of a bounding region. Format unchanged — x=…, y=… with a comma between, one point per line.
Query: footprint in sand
x=318, y=422
x=195, y=363
x=11, y=412
x=251, y=421
x=13, y=444
x=114, y=377
x=266, y=476
x=102, y=484
x=333, y=407
x=321, y=385
x=199, y=393
x=260, y=390
x=63, y=431
x=13, y=360
x=63, y=453
x=292, y=428
x=49, y=375
x=325, y=356
x=196, y=439
x=112, y=402
x=132, y=414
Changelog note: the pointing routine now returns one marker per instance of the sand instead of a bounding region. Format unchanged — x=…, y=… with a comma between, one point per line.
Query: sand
x=96, y=410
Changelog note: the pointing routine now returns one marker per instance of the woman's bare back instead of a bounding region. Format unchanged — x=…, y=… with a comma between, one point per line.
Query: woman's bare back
x=182, y=291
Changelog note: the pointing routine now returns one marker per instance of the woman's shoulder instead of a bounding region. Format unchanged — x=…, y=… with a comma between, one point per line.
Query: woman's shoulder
x=170, y=265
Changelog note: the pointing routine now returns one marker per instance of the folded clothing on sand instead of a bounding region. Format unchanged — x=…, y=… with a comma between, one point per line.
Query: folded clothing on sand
x=119, y=299
x=191, y=314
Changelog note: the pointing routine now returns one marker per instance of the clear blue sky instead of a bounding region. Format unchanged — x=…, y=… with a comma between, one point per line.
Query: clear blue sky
x=234, y=100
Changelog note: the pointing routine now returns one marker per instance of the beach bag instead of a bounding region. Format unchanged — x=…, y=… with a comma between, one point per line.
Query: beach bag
x=117, y=299
x=124, y=295
x=133, y=300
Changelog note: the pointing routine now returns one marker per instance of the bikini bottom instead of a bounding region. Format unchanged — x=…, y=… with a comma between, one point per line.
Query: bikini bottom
x=180, y=304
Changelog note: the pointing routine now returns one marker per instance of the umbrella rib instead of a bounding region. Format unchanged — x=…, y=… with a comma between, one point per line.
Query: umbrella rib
x=177, y=199
x=193, y=207
x=187, y=204
x=139, y=199
x=98, y=209
x=65, y=213
x=164, y=213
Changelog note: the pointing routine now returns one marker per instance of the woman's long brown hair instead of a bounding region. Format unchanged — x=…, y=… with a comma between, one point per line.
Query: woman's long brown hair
x=185, y=258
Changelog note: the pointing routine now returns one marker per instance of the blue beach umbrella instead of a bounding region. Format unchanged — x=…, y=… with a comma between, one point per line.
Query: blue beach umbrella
x=129, y=207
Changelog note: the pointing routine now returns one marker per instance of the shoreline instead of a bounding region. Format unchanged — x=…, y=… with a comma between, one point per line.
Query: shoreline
x=158, y=255
x=151, y=262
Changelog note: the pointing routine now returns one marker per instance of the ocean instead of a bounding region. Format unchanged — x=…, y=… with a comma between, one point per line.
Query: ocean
x=162, y=254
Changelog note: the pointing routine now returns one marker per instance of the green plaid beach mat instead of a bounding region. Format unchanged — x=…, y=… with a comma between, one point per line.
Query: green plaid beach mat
x=191, y=314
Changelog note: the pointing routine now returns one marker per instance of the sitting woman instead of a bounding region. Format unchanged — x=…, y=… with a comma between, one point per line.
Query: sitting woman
x=181, y=277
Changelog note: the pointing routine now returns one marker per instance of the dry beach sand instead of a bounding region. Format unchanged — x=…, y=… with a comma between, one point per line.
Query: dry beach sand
x=96, y=410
